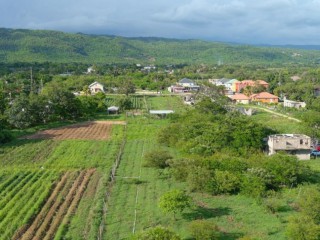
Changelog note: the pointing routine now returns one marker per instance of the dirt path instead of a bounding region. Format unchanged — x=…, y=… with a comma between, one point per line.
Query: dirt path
x=276, y=113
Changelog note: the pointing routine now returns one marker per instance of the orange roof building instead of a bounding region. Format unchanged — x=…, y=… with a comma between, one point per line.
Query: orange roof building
x=240, y=98
x=264, y=97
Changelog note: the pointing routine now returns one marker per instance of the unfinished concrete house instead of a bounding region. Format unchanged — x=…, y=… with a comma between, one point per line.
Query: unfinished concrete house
x=295, y=144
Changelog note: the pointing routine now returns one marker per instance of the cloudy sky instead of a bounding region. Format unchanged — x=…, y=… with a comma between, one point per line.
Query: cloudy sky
x=242, y=21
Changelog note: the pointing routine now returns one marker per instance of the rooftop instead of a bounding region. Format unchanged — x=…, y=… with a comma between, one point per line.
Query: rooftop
x=263, y=95
x=291, y=136
x=185, y=80
x=239, y=96
x=161, y=111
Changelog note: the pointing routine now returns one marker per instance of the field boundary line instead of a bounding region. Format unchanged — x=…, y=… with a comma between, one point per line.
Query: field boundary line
x=137, y=192
x=111, y=182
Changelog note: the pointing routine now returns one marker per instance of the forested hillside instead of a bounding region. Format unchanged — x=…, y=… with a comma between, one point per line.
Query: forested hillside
x=51, y=46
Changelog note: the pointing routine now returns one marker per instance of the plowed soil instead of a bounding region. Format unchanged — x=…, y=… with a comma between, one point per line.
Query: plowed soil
x=96, y=130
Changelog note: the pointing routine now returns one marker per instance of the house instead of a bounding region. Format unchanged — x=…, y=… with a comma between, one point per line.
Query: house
x=295, y=144
x=245, y=83
x=227, y=83
x=188, y=84
x=232, y=85
x=264, y=97
x=177, y=89
x=240, y=98
x=96, y=87
x=293, y=104
x=262, y=83
x=219, y=82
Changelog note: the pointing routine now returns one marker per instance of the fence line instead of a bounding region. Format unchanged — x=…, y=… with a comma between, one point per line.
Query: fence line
x=112, y=179
x=135, y=206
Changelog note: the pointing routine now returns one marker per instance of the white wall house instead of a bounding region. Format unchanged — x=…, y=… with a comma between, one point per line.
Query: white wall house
x=186, y=82
x=96, y=87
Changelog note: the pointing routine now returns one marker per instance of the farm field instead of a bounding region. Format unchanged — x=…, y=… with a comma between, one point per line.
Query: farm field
x=54, y=187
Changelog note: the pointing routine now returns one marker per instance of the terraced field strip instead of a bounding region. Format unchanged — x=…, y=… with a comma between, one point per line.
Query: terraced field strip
x=62, y=202
x=44, y=211
x=24, y=200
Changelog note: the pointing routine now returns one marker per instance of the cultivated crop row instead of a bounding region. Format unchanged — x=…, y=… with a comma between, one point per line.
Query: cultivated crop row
x=24, y=200
x=56, y=212
x=137, y=101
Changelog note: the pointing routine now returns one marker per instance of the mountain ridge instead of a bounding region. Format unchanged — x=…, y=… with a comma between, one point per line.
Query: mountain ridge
x=24, y=45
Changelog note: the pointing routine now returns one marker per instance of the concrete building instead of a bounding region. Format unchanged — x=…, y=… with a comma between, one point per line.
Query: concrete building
x=295, y=144
x=293, y=104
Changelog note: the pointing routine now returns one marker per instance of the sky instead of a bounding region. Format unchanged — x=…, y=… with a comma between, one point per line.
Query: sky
x=239, y=21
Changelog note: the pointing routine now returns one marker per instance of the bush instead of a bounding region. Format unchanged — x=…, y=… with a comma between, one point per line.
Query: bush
x=157, y=159
x=309, y=203
x=203, y=230
x=157, y=233
x=200, y=179
x=174, y=201
x=301, y=227
x=253, y=186
x=226, y=182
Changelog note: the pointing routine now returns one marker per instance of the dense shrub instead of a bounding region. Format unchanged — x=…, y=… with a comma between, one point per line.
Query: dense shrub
x=225, y=182
x=157, y=233
x=203, y=230
x=253, y=186
x=157, y=159
x=302, y=227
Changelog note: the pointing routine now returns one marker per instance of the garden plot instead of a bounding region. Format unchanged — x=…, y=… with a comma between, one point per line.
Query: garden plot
x=95, y=130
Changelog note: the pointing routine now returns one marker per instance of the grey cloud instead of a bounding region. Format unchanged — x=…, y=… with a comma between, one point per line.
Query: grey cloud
x=248, y=21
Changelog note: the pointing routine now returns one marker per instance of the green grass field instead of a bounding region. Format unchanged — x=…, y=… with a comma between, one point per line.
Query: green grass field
x=277, y=123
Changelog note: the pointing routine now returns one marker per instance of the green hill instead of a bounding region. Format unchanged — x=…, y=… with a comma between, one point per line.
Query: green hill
x=18, y=45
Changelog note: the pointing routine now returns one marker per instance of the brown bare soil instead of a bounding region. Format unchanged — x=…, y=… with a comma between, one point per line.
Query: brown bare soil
x=70, y=203
x=95, y=130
